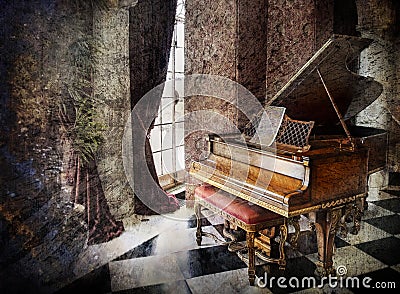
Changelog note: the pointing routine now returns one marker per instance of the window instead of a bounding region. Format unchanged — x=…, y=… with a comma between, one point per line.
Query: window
x=167, y=137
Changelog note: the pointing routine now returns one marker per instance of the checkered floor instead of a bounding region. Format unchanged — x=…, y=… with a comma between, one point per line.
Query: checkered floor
x=171, y=262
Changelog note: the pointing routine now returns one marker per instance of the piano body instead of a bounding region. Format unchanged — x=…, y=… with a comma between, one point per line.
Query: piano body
x=318, y=164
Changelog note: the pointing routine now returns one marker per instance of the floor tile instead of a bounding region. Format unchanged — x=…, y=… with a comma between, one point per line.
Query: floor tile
x=178, y=287
x=220, y=229
x=192, y=222
x=291, y=252
x=355, y=260
x=377, y=195
x=235, y=281
x=97, y=281
x=380, y=278
x=385, y=250
x=374, y=211
x=204, y=261
x=324, y=290
x=296, y=268
x=183, y=240
x=396, y=267
x=390, y=223
x=143, y=250
x=393, y=192
x=367, y=233
x=166, y=242
x=144, y=271
x=307, y=242
x=394, y=178
x=389, y=204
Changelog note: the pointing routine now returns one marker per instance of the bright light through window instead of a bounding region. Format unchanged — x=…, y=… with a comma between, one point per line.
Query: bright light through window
x=167, y=136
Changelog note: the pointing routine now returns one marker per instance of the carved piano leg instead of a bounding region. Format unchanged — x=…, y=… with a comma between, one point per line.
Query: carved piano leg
x=351, y=214
x=326, y=222
x=252, y=256
x=294, y=221
x=199, y=233
x=282, y=241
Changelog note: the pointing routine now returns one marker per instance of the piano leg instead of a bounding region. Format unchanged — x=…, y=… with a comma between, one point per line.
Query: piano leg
x=252, y=257
x=358, y=212
x=326, y=223
x=199, y=233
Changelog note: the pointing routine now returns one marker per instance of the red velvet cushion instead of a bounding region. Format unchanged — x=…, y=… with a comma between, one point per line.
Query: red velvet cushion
x=239, y=208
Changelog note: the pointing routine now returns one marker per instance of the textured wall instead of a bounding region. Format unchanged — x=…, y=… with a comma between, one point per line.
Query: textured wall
x=226, y=38
x=251, y=46
x=111, y=86
x=210, y=39
x=293, y=31
x=41, y=234
x=291, y=40
x=296, y=29
x=378, y=20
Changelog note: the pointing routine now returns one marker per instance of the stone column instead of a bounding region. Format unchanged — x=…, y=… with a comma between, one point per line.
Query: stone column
x=380, y=61
x=228, y=39
x=111, y=86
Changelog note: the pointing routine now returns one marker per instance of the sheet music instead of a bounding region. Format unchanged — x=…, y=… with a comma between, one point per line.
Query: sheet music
x=268, y=126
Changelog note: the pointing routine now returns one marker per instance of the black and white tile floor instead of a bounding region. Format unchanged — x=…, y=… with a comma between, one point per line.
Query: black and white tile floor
x=171, y=261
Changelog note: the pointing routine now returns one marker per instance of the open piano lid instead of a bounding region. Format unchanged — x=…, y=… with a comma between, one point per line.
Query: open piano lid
x=305, y=97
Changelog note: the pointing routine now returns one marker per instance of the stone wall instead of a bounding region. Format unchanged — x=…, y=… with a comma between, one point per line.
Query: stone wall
x=41, y=232
x=293, y=31
x=379, y=20
x=111, y=86
x=291, y=40
x=210, y=42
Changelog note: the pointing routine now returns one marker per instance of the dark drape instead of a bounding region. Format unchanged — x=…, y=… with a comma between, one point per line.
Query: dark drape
x=88, y=191
x=151, y=25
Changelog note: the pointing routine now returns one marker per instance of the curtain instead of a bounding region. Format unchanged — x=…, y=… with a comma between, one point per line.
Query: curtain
x=151, y=26
x=88, y=191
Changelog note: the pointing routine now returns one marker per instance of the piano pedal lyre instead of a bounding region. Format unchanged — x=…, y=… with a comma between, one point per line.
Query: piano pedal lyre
x=263, y=243
x=294, y=221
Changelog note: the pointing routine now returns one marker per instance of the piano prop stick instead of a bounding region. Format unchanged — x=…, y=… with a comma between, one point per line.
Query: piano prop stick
x=319, y=163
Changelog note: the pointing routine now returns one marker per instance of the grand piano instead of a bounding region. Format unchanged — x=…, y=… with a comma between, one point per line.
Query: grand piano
x=318, y=162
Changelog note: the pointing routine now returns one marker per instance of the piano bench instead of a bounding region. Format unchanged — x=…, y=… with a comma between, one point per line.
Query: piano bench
x=246, y=215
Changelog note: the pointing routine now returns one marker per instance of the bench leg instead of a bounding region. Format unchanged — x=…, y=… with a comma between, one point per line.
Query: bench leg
x=294, y=221
x=252, y=257
x=199, y=233
x=282, y=241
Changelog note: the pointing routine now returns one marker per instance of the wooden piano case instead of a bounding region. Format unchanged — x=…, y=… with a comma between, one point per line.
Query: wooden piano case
x=324, y=178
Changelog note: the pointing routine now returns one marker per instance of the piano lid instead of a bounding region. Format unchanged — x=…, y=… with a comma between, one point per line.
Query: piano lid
x=305, y=97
